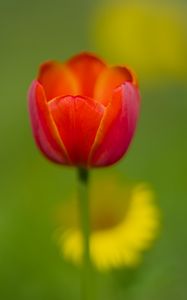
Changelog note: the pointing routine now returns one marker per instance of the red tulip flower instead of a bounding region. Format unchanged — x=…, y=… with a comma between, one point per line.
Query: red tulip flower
x=83, y=112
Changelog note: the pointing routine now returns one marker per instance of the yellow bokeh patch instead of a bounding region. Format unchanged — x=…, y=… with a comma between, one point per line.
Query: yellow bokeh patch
x=148, y=36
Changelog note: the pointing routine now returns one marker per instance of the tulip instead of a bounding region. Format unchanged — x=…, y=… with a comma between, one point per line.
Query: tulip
x=83, y=112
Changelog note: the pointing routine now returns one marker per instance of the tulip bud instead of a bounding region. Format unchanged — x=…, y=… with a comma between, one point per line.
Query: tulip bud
x=83, y=112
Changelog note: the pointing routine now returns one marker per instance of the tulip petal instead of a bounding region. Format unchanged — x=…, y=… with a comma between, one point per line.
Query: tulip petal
x=86, y=67
x=57, y=80
x=117, y=126
x=110, y=79
x=77, y=120
x=44, y=129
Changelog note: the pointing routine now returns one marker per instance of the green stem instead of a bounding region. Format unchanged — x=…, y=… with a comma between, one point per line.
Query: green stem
x=83, y=181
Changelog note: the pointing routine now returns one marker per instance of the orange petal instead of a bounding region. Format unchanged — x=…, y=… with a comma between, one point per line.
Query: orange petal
x=57, y=80
x=44, y=129
x=117, y=126
x=77, y=120
x=110, y=79
x=86, y=67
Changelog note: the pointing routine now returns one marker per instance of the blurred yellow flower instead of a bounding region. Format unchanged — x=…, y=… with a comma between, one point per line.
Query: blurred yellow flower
x=124, y=221
x=149, y=36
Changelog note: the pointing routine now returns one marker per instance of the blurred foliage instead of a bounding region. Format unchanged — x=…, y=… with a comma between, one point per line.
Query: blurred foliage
x=31, y=266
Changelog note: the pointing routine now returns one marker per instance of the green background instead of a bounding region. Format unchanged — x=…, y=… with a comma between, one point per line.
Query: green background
x=30, y=263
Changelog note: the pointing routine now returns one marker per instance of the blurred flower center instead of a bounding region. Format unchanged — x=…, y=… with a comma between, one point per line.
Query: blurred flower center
x=111, y=215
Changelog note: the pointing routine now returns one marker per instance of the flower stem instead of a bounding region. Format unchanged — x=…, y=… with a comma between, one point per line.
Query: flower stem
x=83, y=181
